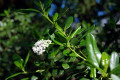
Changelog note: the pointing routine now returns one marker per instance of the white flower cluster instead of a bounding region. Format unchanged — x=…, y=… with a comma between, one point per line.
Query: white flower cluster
x=40, y=46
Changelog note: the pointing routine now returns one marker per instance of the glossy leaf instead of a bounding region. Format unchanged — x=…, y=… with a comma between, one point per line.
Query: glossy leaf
x=93, y=72
x=65, y=66
x=115, y=77
x=26, y=60
x=14, y=75
x=105, y=59
x=34, y=78
x=75, y=32
x=68, y=22
x=94, y=54
x=114, y=60
x=55, y=17
x=18, y=61
x=81, y=30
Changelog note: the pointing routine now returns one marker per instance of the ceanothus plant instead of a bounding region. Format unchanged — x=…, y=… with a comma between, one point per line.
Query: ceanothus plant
x=66, y=42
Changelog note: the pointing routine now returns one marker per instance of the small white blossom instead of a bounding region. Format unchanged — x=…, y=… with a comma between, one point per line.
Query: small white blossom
x=40, y=46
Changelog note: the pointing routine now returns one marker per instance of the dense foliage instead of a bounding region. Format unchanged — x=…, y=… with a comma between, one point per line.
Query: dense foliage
x=79, y=49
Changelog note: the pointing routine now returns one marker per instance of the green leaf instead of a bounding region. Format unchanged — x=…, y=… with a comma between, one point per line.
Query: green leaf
x=82, y=42
x=40, y=71
x=84, y=79
x=72, y=54
x=34, y=78
x=74, y=41
x=81, y=30
x=114, y=60
x=54, y=72
x=61, y=72
x=65, y=66
x=115, y=77
x=105, y=59
x=89, y=30
x=48, y=3
x=55, y=17
x=66, y=52
x=75, y=32
x=27, y=57
x=60, y=37
x=68, y=22
x=46, y=12
x=116, y=70
x=30, y=10
x=14, y=75
x=72, y=59
x=58, y=27
x=84, y=24
x=53, y=39
x=25, y=78
x=94, y=54
x=18, y=61
x=39, y=4
x=93, y=72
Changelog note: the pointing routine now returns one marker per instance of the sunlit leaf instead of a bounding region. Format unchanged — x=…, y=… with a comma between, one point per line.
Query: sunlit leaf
x=115, y=77
x=65, y=66
x=94, y=54
x=105, y=59
x=93, y=72
x=55, y=17
x=34, y=78
x=75, y=32
x=114, y=60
